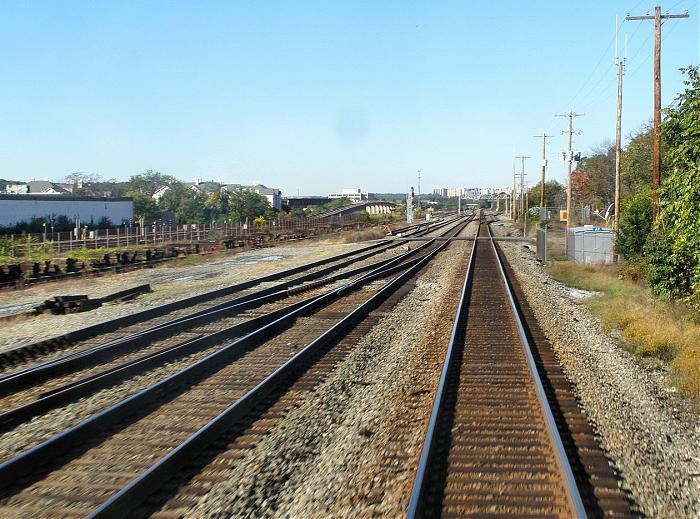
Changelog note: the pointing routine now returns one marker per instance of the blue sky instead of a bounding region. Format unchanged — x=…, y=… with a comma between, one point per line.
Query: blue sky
x=315, y=96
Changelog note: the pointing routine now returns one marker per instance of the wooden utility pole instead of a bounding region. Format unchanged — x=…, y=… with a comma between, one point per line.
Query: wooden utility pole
x=544, y=138
x=656, y=149
x=618, y=150
x=569, y=160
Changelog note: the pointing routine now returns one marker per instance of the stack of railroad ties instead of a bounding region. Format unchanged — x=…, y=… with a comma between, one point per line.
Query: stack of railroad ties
x=82, y=303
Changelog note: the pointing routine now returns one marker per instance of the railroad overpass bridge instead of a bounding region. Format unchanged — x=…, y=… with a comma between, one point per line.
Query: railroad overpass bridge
x=370, y=207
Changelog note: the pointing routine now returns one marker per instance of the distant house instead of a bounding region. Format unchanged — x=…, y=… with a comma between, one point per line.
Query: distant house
x=274, y=196
x=16, y=189
x=46, y=187
x=198, y=186
x=39, y=187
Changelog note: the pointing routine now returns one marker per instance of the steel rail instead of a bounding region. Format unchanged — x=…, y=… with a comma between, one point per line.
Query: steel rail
x=416, y=502
x=81, y=388
x=76, y=436
x=115, y=324
x=78, y=389
x=571, y=487
x=157, y=474
x=65, y=364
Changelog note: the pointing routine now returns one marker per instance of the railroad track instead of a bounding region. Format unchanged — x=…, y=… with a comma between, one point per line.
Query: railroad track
x=37, y=389
x=505, y=430
x=132, y=324
x=110, y=462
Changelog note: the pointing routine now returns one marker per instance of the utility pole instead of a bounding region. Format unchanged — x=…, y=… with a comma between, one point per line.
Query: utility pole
x=569, y=160
x=544, y=138
x=419, y=182
x=525, y=218
x=618, y=150
x=656, y=149
x=522, y=182
x=513, y=210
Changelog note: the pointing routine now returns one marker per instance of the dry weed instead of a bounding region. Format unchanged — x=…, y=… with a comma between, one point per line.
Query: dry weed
x=649, y=326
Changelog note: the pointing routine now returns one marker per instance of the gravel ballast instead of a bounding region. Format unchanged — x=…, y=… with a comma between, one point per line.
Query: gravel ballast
x=645, y=429
x=328, y=456
x=169, y=282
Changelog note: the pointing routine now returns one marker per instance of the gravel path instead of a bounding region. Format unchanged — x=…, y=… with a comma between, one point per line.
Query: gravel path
x=169, y=282
x=327, y=458
x=646, y=430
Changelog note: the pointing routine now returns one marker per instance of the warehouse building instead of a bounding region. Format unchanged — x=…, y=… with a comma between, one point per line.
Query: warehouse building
x=15, y=209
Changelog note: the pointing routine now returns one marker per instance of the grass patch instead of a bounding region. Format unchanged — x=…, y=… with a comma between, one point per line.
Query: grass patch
x=88, y=255
x=650, y=327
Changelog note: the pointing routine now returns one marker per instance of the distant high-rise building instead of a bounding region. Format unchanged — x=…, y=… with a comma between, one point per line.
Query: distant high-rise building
x=472, y=193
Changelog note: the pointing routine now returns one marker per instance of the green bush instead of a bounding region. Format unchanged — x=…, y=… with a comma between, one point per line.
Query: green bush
x=670, y=272
x=635, y=225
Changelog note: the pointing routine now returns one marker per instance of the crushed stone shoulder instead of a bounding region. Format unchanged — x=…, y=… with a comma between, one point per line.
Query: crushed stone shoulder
x=647, y=430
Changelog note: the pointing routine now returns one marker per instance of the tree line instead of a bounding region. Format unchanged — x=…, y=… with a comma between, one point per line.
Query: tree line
x=180, y=204
x=665, y=250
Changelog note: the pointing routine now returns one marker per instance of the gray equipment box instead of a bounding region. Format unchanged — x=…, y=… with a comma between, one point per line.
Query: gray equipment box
x=589, y=244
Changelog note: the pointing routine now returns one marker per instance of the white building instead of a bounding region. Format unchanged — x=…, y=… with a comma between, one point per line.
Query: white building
x=16, y=209
x=354, y=194
x=273, y=196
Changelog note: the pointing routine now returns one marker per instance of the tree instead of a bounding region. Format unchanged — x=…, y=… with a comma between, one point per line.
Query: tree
x=190, y=209
x=635, y=161
x=149, y=181
x=144, y=206
x=594, y=178
x=677, y=233
x=82, y=177
x=216, y=205
x=244, y=203
x=171, y=199
x=554, y=194
x=635, y=224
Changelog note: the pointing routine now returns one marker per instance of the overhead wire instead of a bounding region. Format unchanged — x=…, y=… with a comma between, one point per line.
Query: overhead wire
x=594, y=89
x=593, y=94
